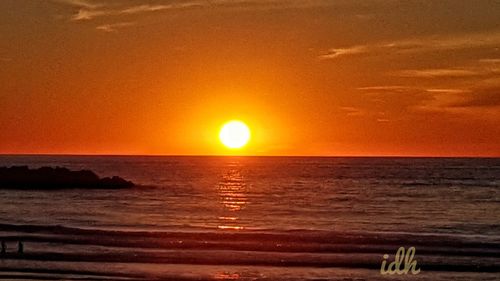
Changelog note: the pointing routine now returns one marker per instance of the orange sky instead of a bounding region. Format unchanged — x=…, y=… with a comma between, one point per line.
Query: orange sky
x=310, y=77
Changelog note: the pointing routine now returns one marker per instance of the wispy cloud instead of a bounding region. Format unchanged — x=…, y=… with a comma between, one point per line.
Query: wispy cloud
x=352, y=111
x=390, y=88
x=383, y=98
x=450, y=100
x=423, y=44
x=88, y=14
x=339, y=52
x=112, y=14
x=404, y=89
x=481, y=97
x=152, y=8
x=90, y=10
x=437, y=73
x=113, y=27
x=448, y=91
x=357, y=112
x=481, y=68
x=79, y=3
x=490, y=61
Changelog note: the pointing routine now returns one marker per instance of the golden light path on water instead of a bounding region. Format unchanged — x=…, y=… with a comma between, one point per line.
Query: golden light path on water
x=232, y=191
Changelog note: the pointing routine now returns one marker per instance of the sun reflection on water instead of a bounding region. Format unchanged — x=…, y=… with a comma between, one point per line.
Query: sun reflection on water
x=232, y=191
x=227, y=276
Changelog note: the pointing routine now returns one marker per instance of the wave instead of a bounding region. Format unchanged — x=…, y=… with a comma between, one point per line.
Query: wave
x=303, y=236
x=451, y=183
x=315, y=242
x=69, y=253
x=430, y=263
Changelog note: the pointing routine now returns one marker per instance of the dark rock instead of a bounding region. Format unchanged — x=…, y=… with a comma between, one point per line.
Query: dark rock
x=115, y=181
x=21, y=177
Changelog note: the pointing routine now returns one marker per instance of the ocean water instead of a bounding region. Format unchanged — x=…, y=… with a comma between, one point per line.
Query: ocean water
x=256, y=218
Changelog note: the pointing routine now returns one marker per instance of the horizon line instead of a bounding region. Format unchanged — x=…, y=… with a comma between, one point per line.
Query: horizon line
x=226, y=155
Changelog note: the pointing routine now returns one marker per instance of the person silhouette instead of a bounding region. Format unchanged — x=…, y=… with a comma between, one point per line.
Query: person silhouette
x=20, y=247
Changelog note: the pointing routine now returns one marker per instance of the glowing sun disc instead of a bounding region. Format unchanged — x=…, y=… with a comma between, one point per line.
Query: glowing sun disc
x=234, y=134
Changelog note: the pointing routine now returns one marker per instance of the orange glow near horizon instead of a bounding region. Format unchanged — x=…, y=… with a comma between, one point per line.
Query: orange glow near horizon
x=307, y=77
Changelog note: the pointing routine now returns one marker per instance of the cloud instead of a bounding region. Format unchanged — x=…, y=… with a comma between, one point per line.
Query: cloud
x=394, y=99
x=88, y=14
x=339, y=52
x=482, y=97
x=437, y=73
x=464, y=41
x=450, y=100
x=116, y=10
x=408, y=89
x=390, y=88
x=352, y=111
x=481, y=68
x=418, y=98
x=422, y=44
x=90, y=10
x=393, y=102
x=370, y=113
x=490, y=61
x=79, y=3
x=154, y=8
x=447, y=91
x=145, y=8
x=113, y=27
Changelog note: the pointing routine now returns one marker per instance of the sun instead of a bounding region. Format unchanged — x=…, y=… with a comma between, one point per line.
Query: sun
x=234, y=134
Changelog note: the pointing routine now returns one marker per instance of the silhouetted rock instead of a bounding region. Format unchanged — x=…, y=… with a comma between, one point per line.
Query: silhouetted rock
x=21, y=177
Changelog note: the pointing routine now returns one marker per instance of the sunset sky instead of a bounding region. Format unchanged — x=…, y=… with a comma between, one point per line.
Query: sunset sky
x=309, y=77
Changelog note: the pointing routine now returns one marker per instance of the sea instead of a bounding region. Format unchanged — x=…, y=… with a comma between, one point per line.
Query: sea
x=257, y=218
